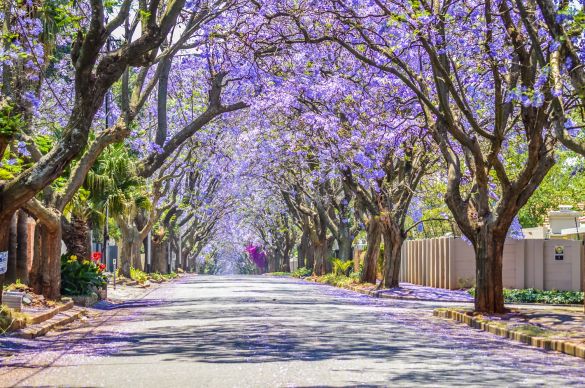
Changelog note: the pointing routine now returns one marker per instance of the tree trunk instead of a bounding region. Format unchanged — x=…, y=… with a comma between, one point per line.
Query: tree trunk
x=310, y=255
x=4, y=241
x=129, y=256
x=320, y=257
x=45, y=275
x=76, y=237
x=185, y=259
x=345, y=247
x=137, y=256
x=159, y=255
x=271, y=261
x=370, y=268
x=489, y=251
x=345, y=241
x=331, y=253
x=278, y=260
x=12, y=249
x=22, y=253
x=393, y=240
x=286, y=258
x=304, y=248
x=125, y=257
x=130, y=245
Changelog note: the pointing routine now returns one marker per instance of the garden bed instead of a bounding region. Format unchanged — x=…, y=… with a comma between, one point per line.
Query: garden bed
x=141, y=278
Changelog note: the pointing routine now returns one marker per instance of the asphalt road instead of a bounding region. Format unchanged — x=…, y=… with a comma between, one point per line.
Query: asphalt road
x=273, y=332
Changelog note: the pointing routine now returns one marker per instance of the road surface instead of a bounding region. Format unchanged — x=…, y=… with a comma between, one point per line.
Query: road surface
x=244, y=331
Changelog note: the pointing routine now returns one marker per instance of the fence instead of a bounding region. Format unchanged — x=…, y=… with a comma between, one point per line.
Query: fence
x=450, y=263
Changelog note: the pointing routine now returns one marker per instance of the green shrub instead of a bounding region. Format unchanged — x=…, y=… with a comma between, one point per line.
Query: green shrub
x=302, y=272
x=336, y=280
x=169, y=276
x=157, y=277
x=341, y=267
x=81, y=277
x=138, y=275
x=278, y=273
x=531, y=295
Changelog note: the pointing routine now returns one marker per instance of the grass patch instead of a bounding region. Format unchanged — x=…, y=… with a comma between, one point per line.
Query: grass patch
x=278, y=273
x=533, y=331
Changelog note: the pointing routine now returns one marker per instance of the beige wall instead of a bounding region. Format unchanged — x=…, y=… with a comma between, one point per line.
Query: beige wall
x=450, y=263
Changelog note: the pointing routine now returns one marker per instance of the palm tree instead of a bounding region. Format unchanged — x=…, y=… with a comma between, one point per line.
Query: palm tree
x=110, y=187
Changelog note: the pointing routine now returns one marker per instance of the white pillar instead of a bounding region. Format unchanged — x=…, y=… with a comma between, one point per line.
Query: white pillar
x=149, y=252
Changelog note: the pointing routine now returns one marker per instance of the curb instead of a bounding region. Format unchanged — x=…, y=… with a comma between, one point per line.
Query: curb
x=563, y=346
x=36, y=319
x=31, y=332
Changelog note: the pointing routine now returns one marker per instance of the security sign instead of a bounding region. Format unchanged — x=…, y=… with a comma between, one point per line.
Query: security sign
x=3, y=262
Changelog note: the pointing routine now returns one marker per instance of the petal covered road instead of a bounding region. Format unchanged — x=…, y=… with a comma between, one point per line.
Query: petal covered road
x=245, y=331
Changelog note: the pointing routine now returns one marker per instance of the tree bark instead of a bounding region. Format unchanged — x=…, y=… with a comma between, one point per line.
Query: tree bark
x=130, y=248
x=159, y=255
x=489, y=290
x=185, y=260
x=345, y=247
x=286, y=257
x=76, y=237
x=271, y=261
x=129, y=255
x=137, y=256
x=4, y=241
x=310, y=255
x=320, y=257
x=393, y=240
x=370, y=268
x=22, y=254
x=12, y=250
x=45, y=275
x=303, y=248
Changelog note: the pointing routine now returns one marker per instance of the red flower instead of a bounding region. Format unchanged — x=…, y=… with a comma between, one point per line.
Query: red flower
x=102, y=267
x=96, y=256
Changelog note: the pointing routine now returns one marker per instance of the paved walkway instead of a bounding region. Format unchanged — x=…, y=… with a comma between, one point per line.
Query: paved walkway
x=275, y=332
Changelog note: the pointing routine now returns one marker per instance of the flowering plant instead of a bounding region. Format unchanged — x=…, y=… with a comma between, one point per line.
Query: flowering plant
x=81, y=278
x=257, y=255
